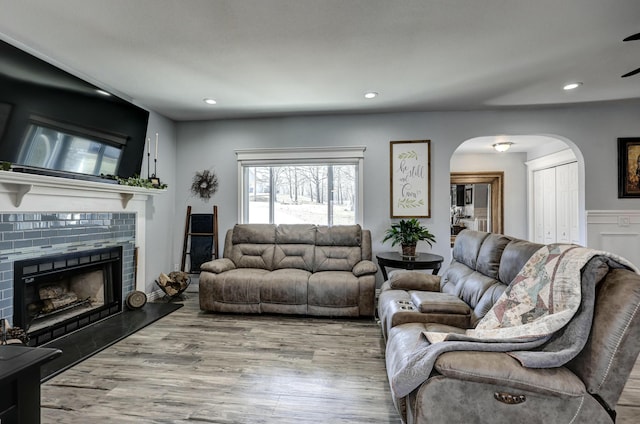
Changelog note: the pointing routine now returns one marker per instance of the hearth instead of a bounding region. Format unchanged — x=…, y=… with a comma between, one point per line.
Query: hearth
x=58, y=294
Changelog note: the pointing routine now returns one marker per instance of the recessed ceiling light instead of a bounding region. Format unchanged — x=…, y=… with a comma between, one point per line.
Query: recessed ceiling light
x=572, y=86
x=209, y=101
x=104, y=93
x=370, y=95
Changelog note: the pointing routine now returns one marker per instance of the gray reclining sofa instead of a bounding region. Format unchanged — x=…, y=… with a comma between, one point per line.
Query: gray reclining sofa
x=292, y=269
x=493, y=387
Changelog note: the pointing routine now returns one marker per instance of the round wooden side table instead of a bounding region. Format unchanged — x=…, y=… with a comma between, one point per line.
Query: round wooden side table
x=420, y=261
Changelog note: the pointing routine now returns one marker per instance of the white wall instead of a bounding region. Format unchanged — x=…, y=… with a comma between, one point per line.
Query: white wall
x=161, y=209
x=515, y=184
x=593, y=128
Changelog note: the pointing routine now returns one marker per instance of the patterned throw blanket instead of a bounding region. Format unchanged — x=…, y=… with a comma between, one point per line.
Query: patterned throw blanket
x=543, y=318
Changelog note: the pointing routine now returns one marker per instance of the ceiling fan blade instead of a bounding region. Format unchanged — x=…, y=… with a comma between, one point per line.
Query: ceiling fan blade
x=633, y=37
x=629, y=74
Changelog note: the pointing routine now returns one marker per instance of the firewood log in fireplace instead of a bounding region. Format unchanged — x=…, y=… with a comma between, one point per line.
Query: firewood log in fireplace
x=52, y=291
x=51, y=305
x=86, y=287
x=56, y=296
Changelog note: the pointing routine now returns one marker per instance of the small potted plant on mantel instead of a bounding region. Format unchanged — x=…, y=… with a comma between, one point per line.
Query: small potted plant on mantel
x=407, y=233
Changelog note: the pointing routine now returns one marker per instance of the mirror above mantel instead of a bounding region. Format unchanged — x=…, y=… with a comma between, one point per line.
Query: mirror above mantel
x=477, y=201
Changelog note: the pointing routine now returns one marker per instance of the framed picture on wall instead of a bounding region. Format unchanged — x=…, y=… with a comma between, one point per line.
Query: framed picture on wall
x=410, y=179
x=629, y=167
x=468, y=196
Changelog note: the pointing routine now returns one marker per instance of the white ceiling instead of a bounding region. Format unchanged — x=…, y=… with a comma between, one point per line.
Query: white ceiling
x=284, y=57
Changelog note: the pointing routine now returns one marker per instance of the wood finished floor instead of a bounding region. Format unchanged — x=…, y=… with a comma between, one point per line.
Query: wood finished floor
x=191, y=367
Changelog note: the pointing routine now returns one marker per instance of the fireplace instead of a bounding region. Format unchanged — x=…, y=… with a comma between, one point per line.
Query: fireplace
x=58, y=294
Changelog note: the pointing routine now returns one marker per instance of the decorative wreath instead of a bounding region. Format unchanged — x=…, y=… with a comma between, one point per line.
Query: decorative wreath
x=205, y=184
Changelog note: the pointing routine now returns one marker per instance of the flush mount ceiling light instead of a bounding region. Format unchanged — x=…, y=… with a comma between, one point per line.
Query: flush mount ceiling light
x=502, y=147
x=572, y=86
x=209, y=101
x=370, y=95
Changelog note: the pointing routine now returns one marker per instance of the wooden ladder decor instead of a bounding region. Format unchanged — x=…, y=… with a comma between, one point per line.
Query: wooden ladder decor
x=201, y=240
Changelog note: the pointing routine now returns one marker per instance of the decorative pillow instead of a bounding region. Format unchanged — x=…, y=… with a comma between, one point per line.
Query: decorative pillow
x=414, y=280
x=218, y=265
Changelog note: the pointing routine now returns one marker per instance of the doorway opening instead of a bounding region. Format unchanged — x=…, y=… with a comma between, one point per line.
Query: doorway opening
x=526, y=155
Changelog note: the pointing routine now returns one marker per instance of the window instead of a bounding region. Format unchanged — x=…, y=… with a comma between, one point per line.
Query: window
x=293, y=186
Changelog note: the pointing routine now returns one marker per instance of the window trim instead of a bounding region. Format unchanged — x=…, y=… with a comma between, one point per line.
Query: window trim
x=302, y=155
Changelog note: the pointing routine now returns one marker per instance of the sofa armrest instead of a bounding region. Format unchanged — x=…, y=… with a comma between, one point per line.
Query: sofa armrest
x=414, y=280
x=439, y=303
x=503, y=370
x=218, y=265
x=364, y=268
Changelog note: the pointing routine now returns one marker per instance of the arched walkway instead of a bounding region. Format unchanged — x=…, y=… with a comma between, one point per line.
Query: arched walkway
x=528, y=154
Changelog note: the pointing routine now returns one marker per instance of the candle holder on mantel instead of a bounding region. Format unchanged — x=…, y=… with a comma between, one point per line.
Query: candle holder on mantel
x=153, y=179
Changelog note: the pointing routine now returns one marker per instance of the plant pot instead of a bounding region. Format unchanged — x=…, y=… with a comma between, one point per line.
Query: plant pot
x=409, y=250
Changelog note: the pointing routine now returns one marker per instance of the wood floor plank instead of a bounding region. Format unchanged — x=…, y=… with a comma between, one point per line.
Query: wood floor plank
x=213, y=368
x=192, y=366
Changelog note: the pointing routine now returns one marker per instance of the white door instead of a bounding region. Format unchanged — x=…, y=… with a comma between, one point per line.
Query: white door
x=574, y=207
x=563, y=205
x=549, y=205
x=538, y=207
x=555, y=204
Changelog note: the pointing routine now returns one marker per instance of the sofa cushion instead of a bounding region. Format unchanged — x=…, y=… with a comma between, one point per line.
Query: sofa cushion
x=336, y=258
x=436, y=302
x=333, y=289
x=285, y=286
x=501, y=369
x=514, y=256
x=295, y=234
x=453, y=276
x=490, y=253
x=249, y=255
x=238, y=285
x=474, y=287
x=414, y=280
x=339, y=235
x=467, y=247
x=254, y=233
x=488, y=299
x=298, y=256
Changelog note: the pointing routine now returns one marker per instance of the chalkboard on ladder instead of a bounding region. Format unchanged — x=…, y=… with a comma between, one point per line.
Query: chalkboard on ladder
x=200, y=240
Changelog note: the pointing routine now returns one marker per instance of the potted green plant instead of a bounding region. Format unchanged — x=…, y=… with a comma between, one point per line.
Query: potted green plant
x=407, y=233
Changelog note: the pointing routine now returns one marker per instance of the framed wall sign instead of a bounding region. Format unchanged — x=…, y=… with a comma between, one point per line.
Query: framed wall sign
x=629, y=167
x=410, y=179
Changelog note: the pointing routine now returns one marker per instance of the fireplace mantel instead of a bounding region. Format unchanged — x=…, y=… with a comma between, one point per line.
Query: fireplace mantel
x=17, y=185
x=22, y=193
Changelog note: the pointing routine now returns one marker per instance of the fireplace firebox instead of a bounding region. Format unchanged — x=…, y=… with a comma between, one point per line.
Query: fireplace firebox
x=56, y=295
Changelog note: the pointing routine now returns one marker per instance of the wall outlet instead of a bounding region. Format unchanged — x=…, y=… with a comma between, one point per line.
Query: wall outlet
x=176, y=267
